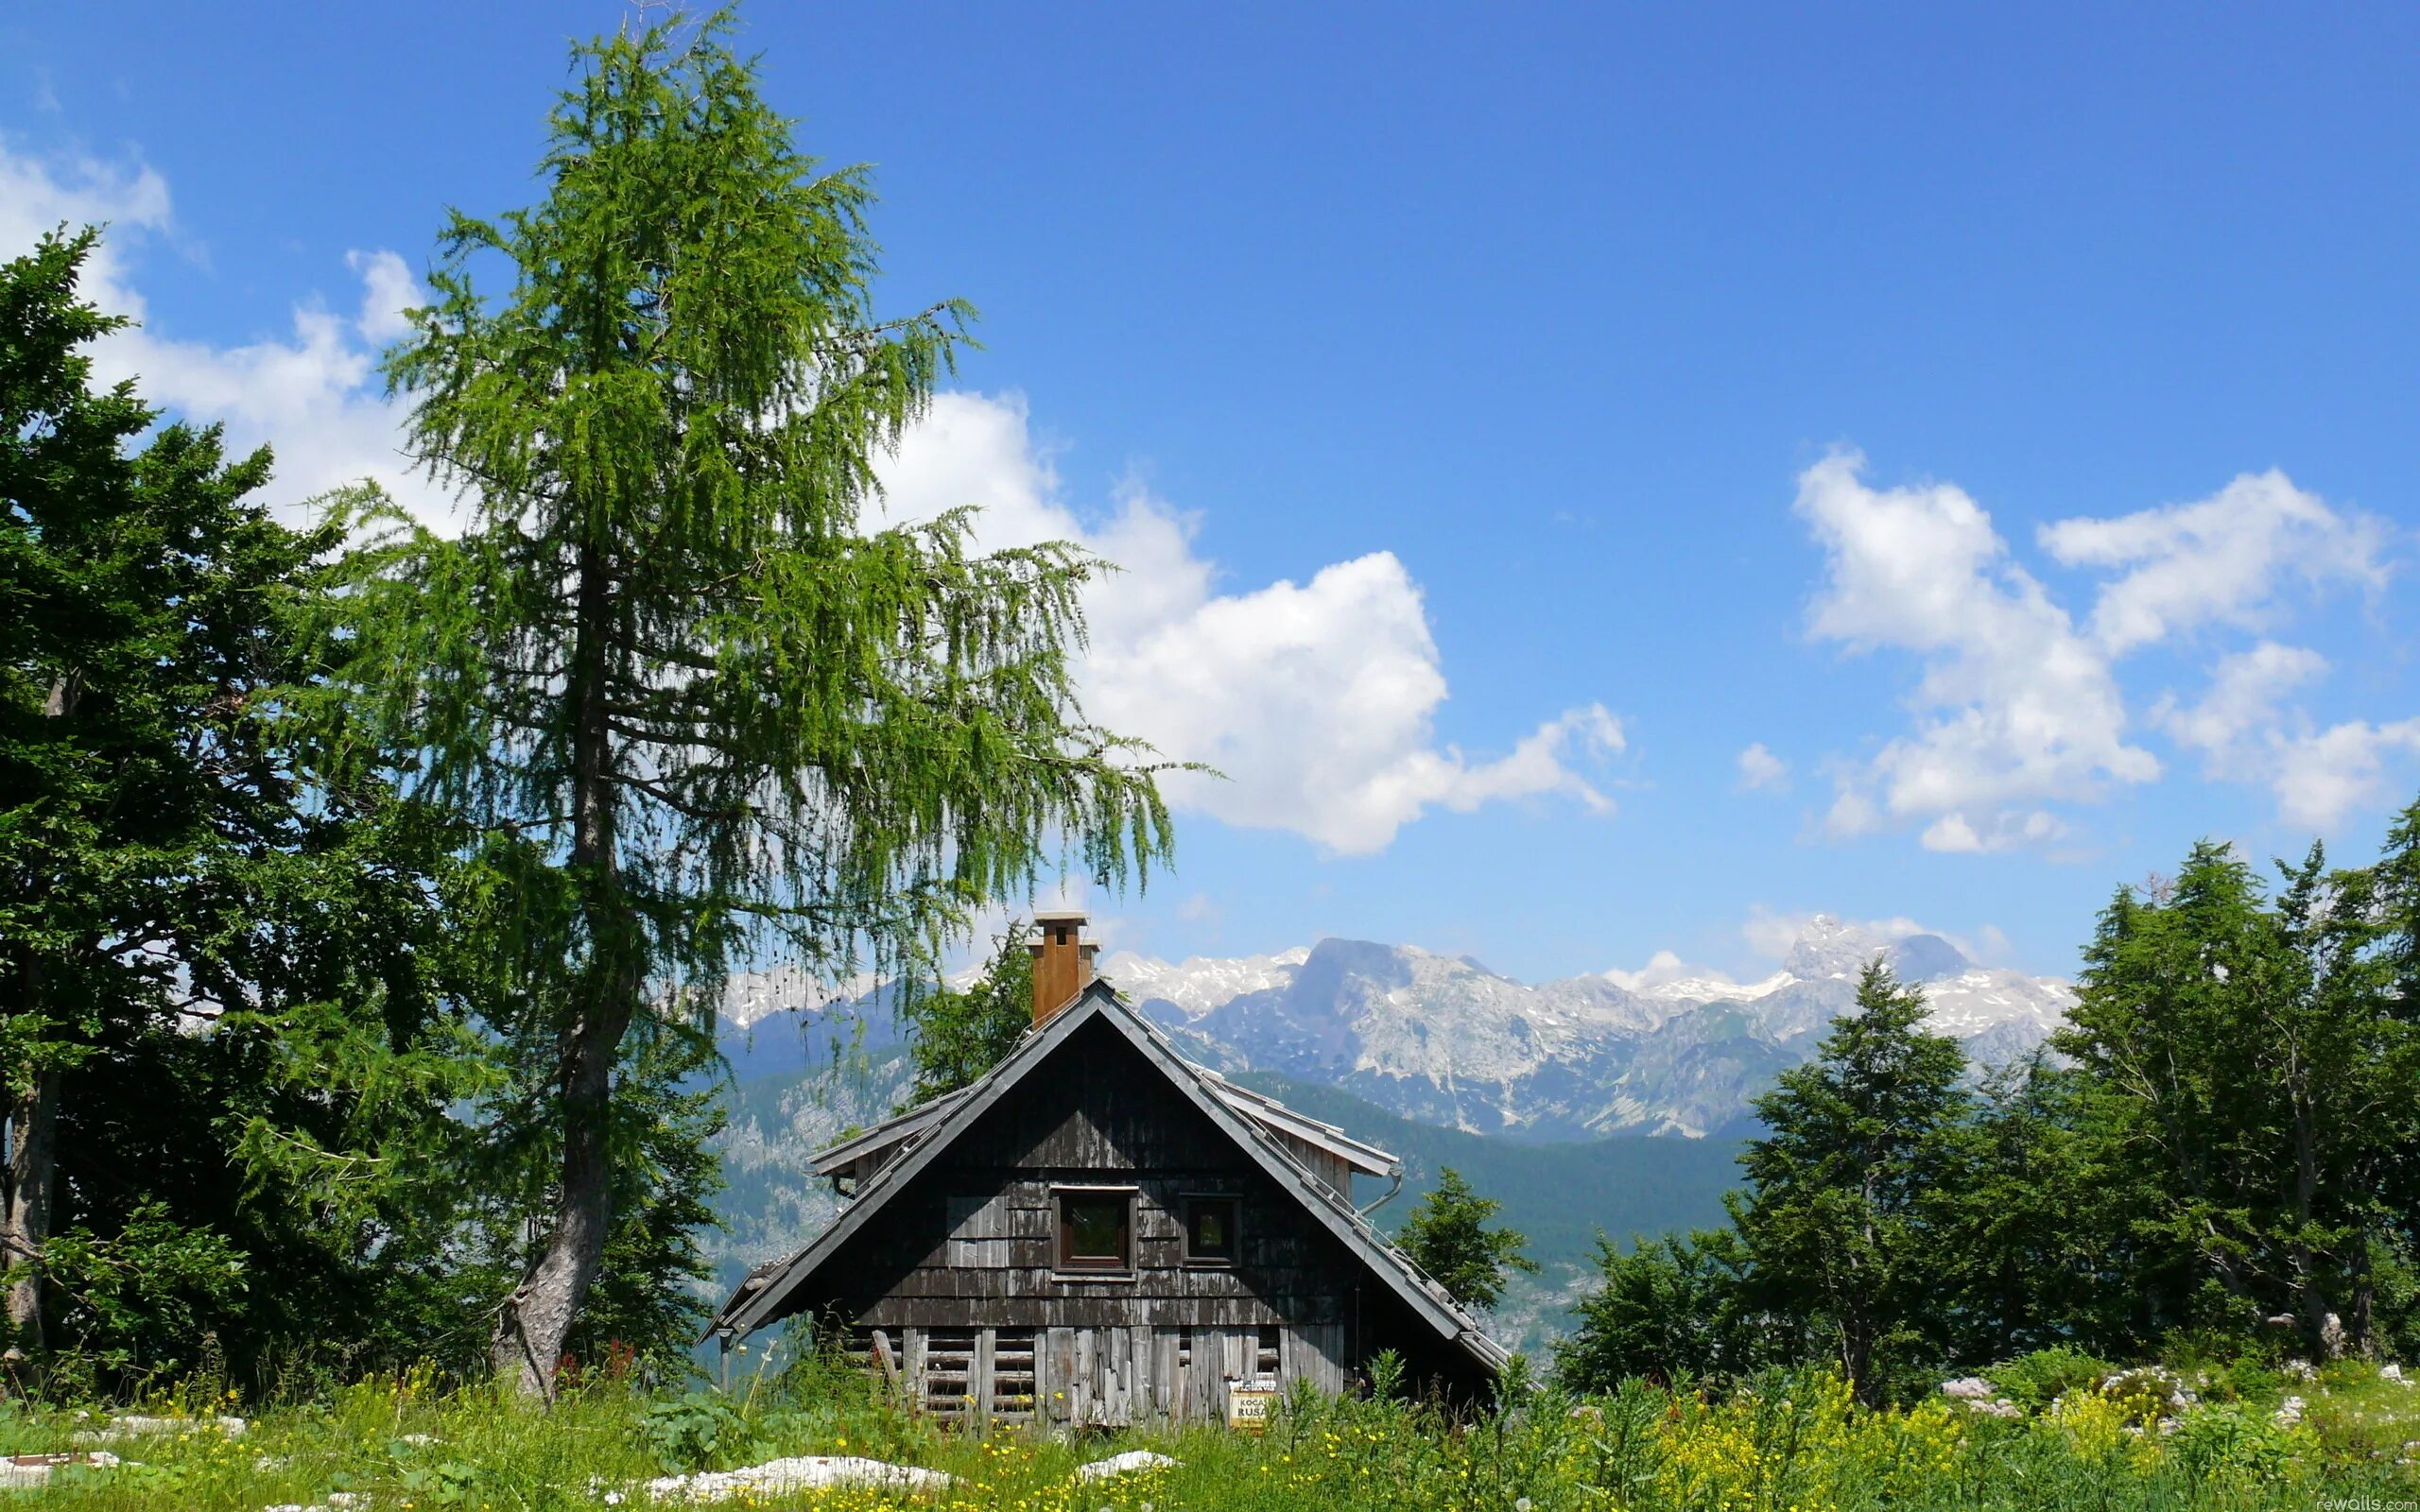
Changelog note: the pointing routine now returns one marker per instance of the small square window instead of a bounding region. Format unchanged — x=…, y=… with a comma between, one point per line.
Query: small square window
x=1097, y=1230
x=1210, y=1231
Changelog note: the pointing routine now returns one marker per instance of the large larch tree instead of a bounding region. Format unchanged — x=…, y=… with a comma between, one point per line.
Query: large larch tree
x=703, y=715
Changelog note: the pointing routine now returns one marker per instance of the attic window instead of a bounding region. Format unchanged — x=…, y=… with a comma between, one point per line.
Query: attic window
x=1096, y=1229
x=1210, y=1231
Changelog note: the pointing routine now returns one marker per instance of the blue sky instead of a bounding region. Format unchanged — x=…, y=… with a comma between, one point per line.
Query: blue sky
x=1475, y=393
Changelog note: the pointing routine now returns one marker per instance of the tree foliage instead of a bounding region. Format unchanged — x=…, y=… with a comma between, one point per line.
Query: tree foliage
x=1670, y=1308
x=957, y=1036
x=700, y=714
x=1838, y=1211
x=1449, y=1236
x=228, y=1051
x=2222, y=1143
x=2254, y=1077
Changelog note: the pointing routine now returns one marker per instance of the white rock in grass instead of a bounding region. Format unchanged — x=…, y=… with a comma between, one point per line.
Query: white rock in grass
x=804, y=1472
x=2394, y=1373
x=137, y=1425
x=1126, y=1464
x=1968, y=1389
x=20, y=1471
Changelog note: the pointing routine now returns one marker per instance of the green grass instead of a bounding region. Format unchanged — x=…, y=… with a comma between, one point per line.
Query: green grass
x=1792, y=1443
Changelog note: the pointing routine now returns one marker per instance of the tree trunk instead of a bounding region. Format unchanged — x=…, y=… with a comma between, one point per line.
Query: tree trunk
x=529, y=1339
x=24, y=1201
x=28, y=1179
x=534, y=1324
x=2310, y=1295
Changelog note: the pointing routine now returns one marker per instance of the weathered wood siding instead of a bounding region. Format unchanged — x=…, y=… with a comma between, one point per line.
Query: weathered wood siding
x=966, y=1258
x=1098, y=1376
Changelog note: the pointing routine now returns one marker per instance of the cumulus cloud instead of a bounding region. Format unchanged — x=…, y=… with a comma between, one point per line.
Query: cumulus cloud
x=2223, y=559
x=388, y=289
x=2319, y=775
x=2230, y=724
x=1662, y=969
x=2015, y=705
x=314, y=394
x=1317, y=700
x=2019, y=707
x=2320, y=778
x=1761, y=770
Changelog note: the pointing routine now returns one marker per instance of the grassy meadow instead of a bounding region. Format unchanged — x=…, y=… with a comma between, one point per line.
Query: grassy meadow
x=1792, y=1443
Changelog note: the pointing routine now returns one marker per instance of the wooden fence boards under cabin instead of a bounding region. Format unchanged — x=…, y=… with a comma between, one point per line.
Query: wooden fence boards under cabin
x=1108, y=1377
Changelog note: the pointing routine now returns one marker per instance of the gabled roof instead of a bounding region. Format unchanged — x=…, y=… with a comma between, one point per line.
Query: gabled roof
x=937, y=1124
x=893, y=1133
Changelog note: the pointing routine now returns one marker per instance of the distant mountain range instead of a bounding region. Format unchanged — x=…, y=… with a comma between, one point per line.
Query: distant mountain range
x=1544, y=1095
x=1443, y=1039
x=1561, y=1195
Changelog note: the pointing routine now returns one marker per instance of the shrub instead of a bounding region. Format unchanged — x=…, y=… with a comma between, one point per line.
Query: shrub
x=2035, y=1381
x=2229, y=1443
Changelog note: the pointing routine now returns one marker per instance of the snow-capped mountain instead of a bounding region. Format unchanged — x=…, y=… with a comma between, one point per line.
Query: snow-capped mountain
x=1198, y=984
x=1667, y=1050
x=1671, y=1049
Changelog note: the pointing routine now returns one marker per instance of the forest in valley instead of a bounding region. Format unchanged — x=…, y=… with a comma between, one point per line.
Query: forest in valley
x=367, y=894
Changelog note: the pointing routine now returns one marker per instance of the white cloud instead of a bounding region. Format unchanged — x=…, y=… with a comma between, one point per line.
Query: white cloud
x=1954, y=834
x=314, y=395
x=2240, y=709
x=1661, y=967
x=388, y=289
x=2015, y=706
x=2223, y=559
x=1316, y=699
x=2018, y=707
x=1771, y=932
x=1664, y=968
x=2320, y=778
x=1761, y=770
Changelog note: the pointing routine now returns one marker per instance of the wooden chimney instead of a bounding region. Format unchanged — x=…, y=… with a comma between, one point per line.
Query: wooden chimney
x=1063, y=961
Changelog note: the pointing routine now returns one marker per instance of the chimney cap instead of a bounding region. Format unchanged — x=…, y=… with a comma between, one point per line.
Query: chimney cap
x=1059, y=916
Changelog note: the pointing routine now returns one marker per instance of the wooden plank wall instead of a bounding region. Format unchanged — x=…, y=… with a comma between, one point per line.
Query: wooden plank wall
x=970, y=1248
x=1112, y=1377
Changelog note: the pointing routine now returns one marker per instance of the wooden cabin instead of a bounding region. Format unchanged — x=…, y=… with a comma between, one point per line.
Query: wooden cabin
x=1099, y=1231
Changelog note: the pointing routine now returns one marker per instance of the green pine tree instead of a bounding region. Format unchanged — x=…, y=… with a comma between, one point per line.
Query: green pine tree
x=1449, y=1236
x=1835, y=1218
x=2034, y=1240
x=2253, y=1081
x=956, y=1037
x=702, y=717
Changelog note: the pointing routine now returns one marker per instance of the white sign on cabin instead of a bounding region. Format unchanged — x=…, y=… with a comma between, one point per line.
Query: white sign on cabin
x=1249, y=1406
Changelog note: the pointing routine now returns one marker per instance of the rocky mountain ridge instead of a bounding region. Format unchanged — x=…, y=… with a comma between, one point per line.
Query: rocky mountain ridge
x=1445, y=1040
